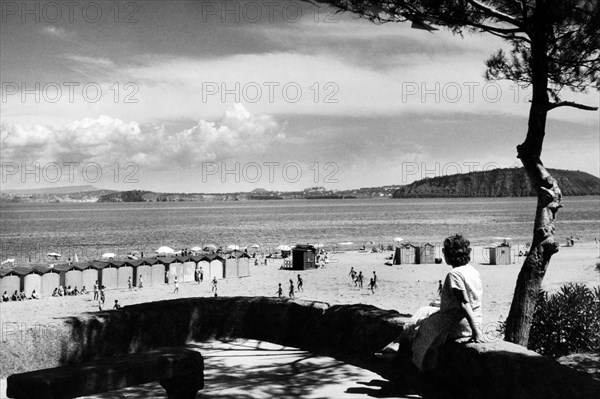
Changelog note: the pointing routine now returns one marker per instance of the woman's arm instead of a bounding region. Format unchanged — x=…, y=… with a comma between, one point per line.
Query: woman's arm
x=468, y=312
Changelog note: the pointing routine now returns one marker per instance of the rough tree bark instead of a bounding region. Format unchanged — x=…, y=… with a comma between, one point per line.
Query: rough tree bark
x=543, y=246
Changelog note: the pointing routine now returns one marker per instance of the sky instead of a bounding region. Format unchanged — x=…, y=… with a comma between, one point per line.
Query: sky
x=226, y=96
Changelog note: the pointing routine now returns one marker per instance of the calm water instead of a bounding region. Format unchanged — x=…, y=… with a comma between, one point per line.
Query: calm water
x=29, y=231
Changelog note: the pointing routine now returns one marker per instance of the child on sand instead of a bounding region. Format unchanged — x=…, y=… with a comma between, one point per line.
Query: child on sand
x=372, y=285
x=291, y=293
x=117, y=306
x=459, y=315
x=176, y=285
x=279, y=291
x=214, y=284
x=129, y=283
x=300, y=282
x=141, y=283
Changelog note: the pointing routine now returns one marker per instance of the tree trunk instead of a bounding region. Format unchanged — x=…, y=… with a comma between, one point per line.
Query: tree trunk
x=518, y=323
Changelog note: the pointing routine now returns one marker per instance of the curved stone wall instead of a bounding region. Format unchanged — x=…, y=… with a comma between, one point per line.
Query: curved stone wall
x=347, y=332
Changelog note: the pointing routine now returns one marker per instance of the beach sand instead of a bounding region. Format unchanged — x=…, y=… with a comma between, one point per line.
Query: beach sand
x=404, y=288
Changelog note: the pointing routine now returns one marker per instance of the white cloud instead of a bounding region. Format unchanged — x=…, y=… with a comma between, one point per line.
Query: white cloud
x=107, y=141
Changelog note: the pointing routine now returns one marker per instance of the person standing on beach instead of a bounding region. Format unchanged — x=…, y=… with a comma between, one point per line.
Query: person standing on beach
x=176, y=285
x=102, y=297
x=279, y=291
x=167, y=277
x=141, y=283
x=291, y=288
x=129, y=283
x=360, y=279
x=214, y=285
x=372, y=285
x=374, y=279
x=96, y=290
x=300, y=282
x=440, y=287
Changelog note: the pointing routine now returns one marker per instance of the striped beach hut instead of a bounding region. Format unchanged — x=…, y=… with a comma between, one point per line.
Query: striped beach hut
x=426, y=254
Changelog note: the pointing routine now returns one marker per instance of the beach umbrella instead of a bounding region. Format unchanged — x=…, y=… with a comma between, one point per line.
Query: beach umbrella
x=346, y=243
x=398, y=239
x=255, y=246
x=501, y=238
x=284, y=247
x=8, y=261
x=210, y=247
x=130, y=256
x=233, y=247
x=165, y=250
x=108, y=255
x=196, y=249
x=54, y=255
x=318, y=245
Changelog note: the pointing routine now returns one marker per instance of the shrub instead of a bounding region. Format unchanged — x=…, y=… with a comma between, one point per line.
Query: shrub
x=566, y=322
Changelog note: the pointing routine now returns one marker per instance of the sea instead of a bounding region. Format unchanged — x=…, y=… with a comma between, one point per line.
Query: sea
x=29, y=231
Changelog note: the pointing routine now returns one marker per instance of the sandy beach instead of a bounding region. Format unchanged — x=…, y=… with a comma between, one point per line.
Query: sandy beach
x=404, y=288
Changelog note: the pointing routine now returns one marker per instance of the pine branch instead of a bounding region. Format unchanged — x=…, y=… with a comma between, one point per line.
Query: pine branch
x=497, y=14
x=571, y=104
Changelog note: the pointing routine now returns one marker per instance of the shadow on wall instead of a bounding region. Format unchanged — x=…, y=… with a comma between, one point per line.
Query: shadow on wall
x=350, y=333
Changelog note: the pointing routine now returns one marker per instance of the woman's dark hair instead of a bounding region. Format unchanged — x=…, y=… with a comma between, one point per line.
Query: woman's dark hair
x=457, y=250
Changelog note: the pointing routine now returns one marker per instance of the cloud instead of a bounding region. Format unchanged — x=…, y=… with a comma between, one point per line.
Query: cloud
x=107, y=140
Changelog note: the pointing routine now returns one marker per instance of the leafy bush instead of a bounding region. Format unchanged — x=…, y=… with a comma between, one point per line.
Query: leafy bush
x=566, y=322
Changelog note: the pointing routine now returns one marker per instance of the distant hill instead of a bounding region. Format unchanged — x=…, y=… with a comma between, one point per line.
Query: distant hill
x=52, y=190
x=511, y=182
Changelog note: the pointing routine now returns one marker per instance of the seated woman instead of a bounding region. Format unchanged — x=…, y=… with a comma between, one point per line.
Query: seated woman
x=69, y=291
x=75, y=291
x=61, y=291
x=55, y=292
x=459, y=315
x=83, y=290
x=23, y=296
x=34, y=295
x=15, y=296
x=5, y=297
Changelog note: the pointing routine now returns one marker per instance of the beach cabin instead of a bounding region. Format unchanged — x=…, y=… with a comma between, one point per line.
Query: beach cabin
x=89, y=275
x=406, y=254
x=125, y=271
x=146, y=269
x=243, y=265
x=204, y=263
x=216, y=268
x=70, y=275
x=32, y=280
x=189, y=269
x=50, y=281
x=426, y=254
x=303, y=257
x=109, y=274
x=175, y=268
x=499, y=254
x=10, y=281
x=238, y=265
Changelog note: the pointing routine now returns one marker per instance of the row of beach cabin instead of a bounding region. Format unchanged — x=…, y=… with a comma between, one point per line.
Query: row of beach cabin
x=117, y=274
